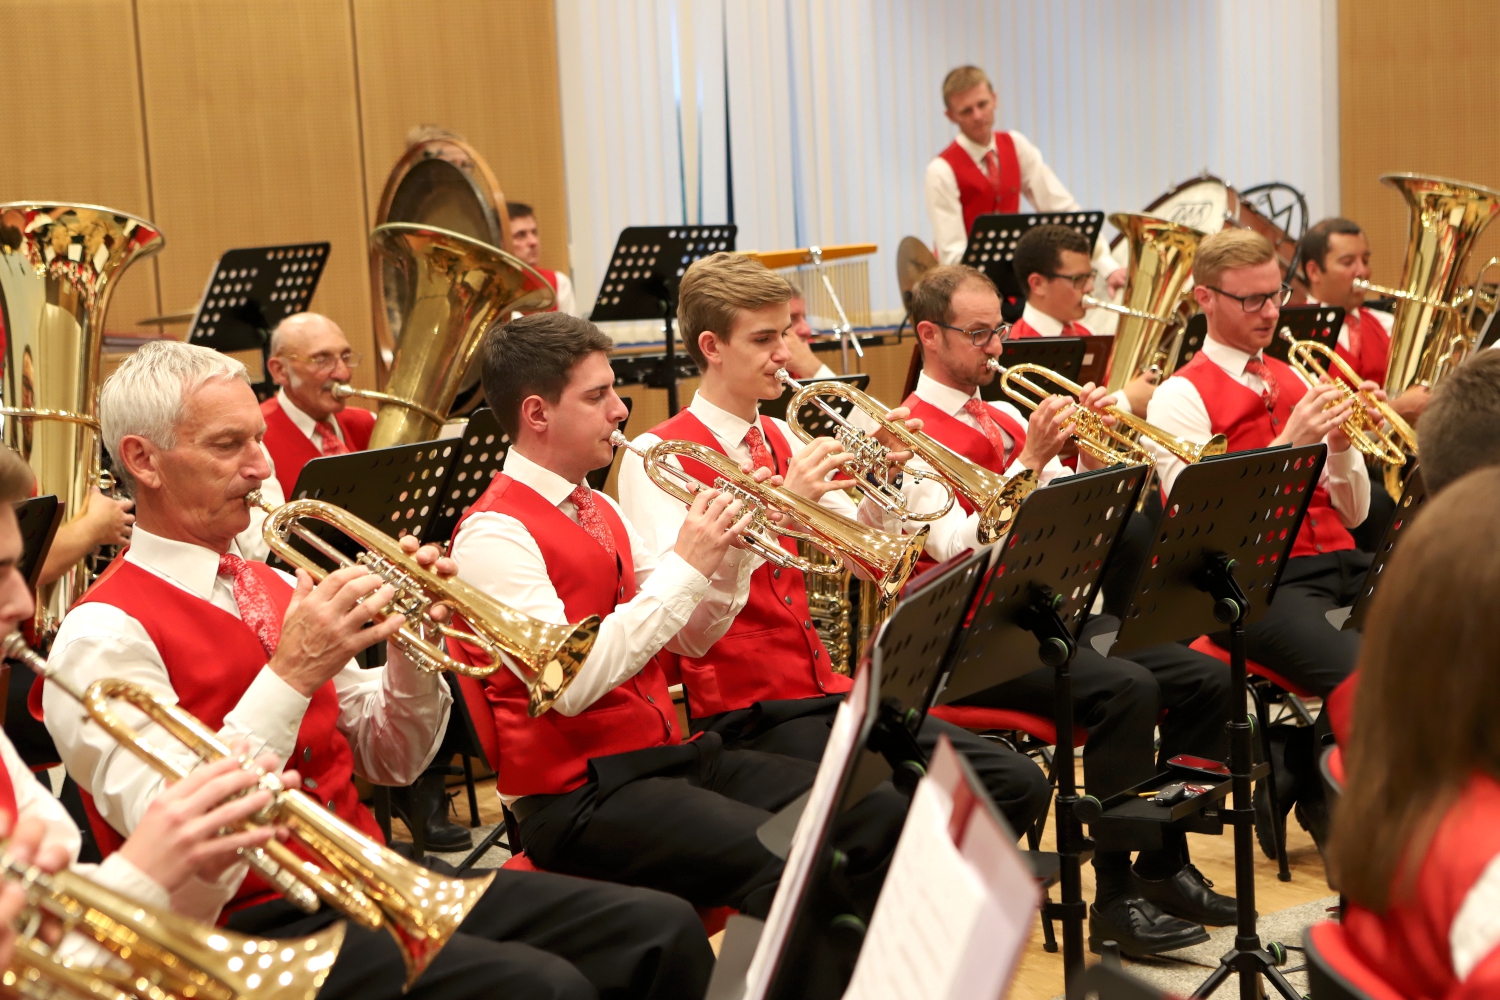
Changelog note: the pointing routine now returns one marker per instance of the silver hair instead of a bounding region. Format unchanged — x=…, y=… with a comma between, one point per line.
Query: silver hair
x=145, y=395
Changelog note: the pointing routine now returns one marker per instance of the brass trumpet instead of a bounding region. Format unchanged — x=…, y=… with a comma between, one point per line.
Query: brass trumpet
x=550, y=655
x=360, y=877
x=1108, y=306
x=994, y=497
x=888, y=560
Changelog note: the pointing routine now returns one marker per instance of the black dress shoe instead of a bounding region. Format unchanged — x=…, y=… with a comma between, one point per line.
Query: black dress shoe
x=1265, y=815
x=426, y=802
x=1187, y=895
x=1140, y=929
x=1314, y=819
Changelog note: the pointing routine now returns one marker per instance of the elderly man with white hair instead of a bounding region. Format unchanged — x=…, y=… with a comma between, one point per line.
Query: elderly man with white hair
x=309, y=355
x=267, y=660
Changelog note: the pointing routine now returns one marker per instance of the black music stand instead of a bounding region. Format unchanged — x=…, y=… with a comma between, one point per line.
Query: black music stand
x=39, y=520
x=252, y=289
x=1032, y=609
x=642, y=278
x=1413, y=496
x=992, y=245
x=812, y=418
x=1220, y=548
x=1063, y=355
x=1309, y=322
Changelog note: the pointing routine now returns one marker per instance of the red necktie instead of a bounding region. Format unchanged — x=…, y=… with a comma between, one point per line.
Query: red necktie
x=760, y=455
x=329, y=438
x=1352, y=323
x=988, y=426
x=992, y=168
x=590, y=520
x=253, y=600
x=1257, y=367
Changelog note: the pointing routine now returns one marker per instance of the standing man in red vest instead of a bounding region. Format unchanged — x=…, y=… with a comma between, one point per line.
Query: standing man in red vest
x=985, y=172
x=1232, y=388
x=305, y=420
x=768, y=683
x=526, y=242
x=1161, y=902
x=261, y=660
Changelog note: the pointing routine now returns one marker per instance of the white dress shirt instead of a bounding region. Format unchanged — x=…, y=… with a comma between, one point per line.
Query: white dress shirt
x=674, y=606
x=1039, y=185
x=565, y=300
x=1177, y=408
x=305, y=422
x=1385, y=319
x=393, y=716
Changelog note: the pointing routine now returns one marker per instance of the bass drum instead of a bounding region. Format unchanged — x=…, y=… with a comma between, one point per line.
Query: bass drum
x=1204, y=203
x=446, y=184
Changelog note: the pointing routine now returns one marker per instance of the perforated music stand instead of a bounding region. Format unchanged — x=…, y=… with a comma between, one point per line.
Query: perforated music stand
x=1413, y=496
x=1310, y=322
x=992, y=247
x=39, y=520
x=810, y=416
x=642, y=278
x=1063, y=355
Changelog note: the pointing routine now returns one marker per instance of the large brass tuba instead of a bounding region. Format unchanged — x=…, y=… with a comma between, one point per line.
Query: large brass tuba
x=59, y=265
x=1431, y=334
x=450, y=290
x=362, y=878
x=1161, y=262
x=550, y=654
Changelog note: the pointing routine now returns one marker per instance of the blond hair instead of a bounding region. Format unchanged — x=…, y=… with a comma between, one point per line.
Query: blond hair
x=715, y=289
x=964, y=78
x=1229, y=250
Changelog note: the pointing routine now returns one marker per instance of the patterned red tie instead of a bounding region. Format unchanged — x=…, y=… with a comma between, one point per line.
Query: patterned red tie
x=253, y=600
x=760, y=455
x=988, y=426
x=1272, y=393
x=329, y=438
x=590, y=520
x=992, y=168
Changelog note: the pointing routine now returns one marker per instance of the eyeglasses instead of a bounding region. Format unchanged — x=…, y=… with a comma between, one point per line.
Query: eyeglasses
x=1078, y=281
x=1255, y=303
x=982, y=338
x=325, y=361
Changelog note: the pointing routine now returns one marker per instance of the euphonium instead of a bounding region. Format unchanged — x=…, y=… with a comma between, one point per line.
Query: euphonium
x=1161, y=261
x=888, y=560
x=996, y=498
x=360, y=877
x=169, y=956
x=452, y=289
x=550, y=655
x=59, y=265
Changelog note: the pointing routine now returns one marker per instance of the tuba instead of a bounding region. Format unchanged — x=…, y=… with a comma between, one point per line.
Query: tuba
x=451, y=289
x=1161, y=262
x=886, y=559
x=550, y=655
x=1432, y=334
x=59, y=265
x=363, y=878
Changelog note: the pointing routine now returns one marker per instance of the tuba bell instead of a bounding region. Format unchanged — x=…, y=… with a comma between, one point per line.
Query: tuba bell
x=1161, y=262
x=59, y=265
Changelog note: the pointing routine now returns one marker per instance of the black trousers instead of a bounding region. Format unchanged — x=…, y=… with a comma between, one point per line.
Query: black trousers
x=800, y=729
x=681, y=819
x=533, y=935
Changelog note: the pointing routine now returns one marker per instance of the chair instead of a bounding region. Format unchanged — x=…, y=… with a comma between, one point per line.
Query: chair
x=1335, y=972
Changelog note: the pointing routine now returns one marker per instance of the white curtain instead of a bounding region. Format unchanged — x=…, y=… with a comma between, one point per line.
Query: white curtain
x=833, y=108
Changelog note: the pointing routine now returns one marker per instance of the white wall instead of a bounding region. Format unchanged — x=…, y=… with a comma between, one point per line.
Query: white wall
x=834, y=108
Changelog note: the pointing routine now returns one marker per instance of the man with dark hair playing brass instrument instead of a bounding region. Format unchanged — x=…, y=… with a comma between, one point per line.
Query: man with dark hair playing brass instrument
x=257, y=659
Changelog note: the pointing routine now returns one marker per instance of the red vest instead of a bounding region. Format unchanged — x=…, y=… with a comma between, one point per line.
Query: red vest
x=291, y=449
x=975, y=192
x=1240, y=415
x=772, y=652
x=1373, y=343
x=528, y=284
x=8, y=798
x=211, y=658
x=550, y=754
x=955, y=435
x=1022, y=329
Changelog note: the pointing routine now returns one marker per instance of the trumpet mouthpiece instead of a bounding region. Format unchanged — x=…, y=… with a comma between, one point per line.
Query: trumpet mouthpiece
x=619, y=440
x=341, y=390
x=785, y=377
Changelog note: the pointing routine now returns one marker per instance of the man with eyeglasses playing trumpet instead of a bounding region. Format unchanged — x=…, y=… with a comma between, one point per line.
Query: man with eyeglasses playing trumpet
x=1161, y=902
x=1230, y=387
x=260, y=657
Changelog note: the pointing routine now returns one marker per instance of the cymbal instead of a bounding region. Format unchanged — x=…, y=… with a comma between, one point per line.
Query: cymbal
x=168, y=319
x=775, y=259
x=913, y=260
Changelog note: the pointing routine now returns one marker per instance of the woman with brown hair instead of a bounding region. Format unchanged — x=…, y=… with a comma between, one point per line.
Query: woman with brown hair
x=1416, y=834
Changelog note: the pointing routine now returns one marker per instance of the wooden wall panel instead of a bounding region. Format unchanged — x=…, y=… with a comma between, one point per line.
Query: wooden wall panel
x=486, y=69
x=1417, y=93
x=73, y=123
x=252, y=120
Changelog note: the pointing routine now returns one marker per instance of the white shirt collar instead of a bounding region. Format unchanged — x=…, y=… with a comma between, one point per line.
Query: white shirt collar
x=944, y=397
x=728, y=427
x=553, y=488
x=1041, y=322
x=301, y=420
x=1231, y=359
x=192, y=567
x=975, y=151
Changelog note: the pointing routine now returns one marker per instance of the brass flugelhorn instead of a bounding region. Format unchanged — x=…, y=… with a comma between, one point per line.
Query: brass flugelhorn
x=1119, y=310
x=549, y=655
x=170, y=957
x=361, y=877
x=886, y=559
x=995, y=497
